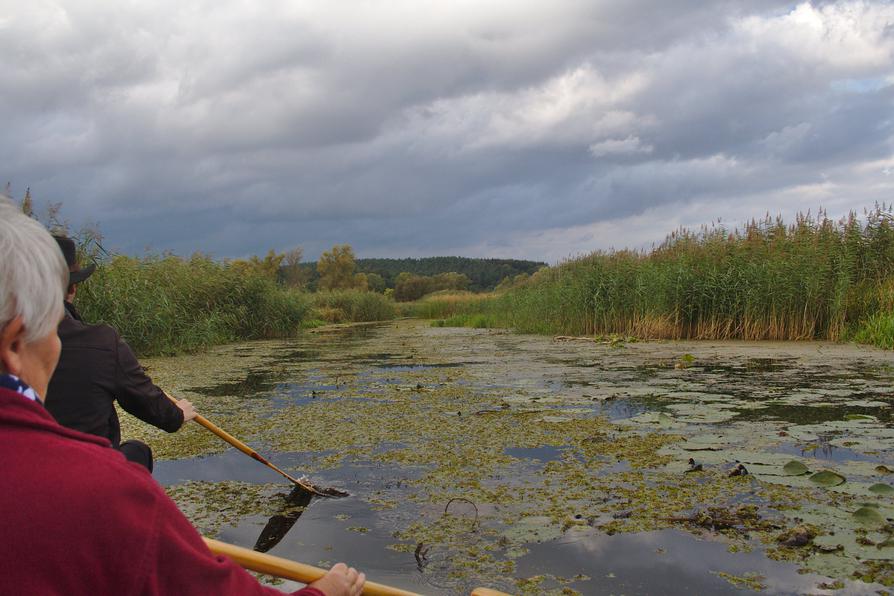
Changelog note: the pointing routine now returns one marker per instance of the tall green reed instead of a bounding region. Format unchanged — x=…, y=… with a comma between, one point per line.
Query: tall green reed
x=814, y=278
x=337, y=306
x=164, y=305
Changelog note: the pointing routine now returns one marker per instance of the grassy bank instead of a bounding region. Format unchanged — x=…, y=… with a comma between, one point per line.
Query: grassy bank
x=445, y=304
x=167, y=305
x=812, y=279
x=341, y=306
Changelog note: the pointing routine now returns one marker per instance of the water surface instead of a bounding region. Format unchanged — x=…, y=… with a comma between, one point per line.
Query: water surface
x=479, y=457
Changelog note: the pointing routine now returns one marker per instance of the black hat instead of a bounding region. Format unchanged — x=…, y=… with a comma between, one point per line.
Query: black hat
x=75, y=274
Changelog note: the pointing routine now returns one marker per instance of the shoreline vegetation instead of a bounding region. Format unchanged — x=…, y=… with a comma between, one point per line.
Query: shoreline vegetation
x=169, y=305
x=812, y=279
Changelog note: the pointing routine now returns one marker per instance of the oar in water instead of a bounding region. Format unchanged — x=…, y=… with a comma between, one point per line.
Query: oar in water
x=280, y=524
x=323, y=492
x=286, y=569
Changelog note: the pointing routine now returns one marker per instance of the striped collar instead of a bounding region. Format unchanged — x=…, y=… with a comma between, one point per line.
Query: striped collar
x=16, y=384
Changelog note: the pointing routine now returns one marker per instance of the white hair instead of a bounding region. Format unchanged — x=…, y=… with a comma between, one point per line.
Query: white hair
x=33, y=273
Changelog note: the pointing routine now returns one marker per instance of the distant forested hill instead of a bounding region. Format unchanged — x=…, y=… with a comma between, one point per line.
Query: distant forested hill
x=484, y=273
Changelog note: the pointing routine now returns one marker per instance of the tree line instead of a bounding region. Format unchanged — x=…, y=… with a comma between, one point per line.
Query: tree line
x=483, y=274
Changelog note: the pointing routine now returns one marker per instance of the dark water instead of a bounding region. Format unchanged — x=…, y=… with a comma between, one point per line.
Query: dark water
x=663, y=562
x=824, y=450
x=660, y=562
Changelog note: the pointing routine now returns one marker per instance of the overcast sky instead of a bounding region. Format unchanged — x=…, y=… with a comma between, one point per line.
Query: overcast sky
x=503, y=128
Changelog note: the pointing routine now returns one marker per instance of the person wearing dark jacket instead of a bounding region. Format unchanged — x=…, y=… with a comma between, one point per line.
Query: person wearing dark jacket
x=77, y=518
x=98, y=368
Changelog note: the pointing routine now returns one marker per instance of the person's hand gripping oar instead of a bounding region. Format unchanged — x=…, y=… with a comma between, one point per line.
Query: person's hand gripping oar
x=284, y=568
x=304, y=484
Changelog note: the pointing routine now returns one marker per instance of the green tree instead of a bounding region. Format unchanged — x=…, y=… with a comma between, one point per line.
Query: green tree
x=293, y=275
x=27, y=204
x=408, y=286
x=375, y=282
x=336, y=268
x=267, y=267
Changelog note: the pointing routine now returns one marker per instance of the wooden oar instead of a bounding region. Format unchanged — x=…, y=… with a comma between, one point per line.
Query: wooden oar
x=284, y=568
x=279, y=567
x=323, y=492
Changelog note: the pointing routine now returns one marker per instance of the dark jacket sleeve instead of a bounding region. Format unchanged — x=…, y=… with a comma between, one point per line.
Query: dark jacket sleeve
x=139, y=396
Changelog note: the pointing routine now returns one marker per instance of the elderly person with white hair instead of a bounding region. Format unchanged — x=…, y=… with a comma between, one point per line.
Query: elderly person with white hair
x=76, y=517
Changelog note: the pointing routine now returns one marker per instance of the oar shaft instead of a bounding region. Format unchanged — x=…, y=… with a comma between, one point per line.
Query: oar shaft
x=245, y=448
x=227, y=437
x=279, y=567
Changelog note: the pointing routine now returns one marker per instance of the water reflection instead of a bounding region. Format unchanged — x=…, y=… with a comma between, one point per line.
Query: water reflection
x=519, y=374
x=280, y=524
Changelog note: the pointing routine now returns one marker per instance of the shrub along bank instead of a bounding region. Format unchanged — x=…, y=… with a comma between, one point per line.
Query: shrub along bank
x=813, y=279
x=340, y=306
x=166, y=305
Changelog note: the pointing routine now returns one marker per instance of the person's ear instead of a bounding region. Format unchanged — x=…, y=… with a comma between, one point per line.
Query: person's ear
x=12, y=341
x=73, y=289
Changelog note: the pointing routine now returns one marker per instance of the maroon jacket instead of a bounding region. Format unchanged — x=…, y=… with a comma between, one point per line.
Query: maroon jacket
x=77, y=518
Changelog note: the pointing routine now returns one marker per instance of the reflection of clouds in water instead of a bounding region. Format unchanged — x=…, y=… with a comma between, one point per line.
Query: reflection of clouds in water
x=679, y=568
x=564, y=376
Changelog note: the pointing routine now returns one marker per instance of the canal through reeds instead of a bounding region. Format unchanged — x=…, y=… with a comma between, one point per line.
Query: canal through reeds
x=479, y=457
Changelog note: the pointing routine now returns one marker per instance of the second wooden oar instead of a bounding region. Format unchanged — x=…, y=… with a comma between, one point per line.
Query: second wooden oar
x=323, y=492
x=284, y=568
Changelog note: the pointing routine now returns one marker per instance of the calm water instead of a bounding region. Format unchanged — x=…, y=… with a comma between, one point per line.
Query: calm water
x=779, y=399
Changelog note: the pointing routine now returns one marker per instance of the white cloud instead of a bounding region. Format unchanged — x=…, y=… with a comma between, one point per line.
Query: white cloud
x=849, y=37
x=426, y=128
x=625, y=146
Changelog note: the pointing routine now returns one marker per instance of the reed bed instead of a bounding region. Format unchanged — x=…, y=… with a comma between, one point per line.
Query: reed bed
x=339, y=306
x=815, y=278
x=445, y=304
x=165, y=305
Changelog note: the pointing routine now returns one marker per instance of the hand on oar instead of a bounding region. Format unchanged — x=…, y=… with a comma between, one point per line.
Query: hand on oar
x=189, y=411
x=306, y=574
x=339, y=580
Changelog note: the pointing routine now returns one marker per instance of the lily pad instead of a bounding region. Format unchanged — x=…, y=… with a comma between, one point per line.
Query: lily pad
x=869, y=517
x=827, y=478
x=882, y=489
x=533, y=529
x=794, y=468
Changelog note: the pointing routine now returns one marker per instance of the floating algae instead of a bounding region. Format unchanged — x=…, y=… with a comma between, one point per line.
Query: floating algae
x=212, y=505
x=620, y=427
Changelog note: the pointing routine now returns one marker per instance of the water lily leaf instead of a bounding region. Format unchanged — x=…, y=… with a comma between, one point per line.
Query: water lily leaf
x=794, y=468
x=704, y=413
x=882, y=489
x=883, y=469
x=705, y=443
x=858, y=417
x=827, y=478
x=533, y=529
x=869, y=517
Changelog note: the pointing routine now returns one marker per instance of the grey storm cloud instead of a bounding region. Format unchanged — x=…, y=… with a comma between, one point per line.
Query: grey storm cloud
x=503, y=128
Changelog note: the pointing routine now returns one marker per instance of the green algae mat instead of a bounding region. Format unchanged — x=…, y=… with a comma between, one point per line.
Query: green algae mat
x=537, y=466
